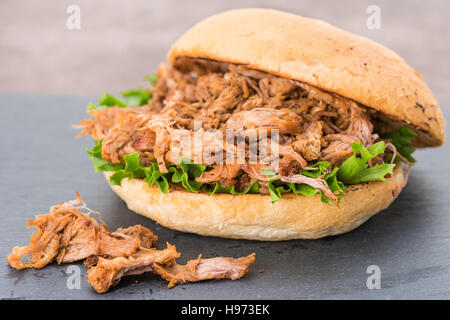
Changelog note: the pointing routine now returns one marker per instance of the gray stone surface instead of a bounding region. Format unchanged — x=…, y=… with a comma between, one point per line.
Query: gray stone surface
x=42, y=164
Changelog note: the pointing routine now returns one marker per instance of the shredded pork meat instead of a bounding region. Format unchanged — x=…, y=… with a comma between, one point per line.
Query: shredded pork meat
x=313, y=125
x=108, y=272
x=66, y=235
x=204, y=269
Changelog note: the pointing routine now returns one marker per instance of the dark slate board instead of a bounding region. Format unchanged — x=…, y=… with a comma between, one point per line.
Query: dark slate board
x=42, y=164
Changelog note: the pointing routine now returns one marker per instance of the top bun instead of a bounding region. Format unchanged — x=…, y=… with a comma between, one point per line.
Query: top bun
x=321, y=55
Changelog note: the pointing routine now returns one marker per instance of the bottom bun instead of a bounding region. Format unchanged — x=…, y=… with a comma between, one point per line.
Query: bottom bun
x=253, y=216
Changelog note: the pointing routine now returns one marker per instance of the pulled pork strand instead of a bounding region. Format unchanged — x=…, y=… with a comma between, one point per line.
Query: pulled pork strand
x=108, y=272
x=204, y=269
x=284, y=120
x=309, y=143
x=225, y=173
x=318, y=184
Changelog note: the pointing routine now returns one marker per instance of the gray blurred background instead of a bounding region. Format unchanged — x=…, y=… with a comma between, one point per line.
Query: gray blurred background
x=121, y=41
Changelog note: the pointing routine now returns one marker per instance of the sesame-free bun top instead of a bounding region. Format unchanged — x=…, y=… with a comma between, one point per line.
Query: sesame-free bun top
x=321, y=55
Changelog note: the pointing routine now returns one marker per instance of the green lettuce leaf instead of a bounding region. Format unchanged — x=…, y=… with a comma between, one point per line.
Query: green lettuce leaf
x=330, y=177
x=133, y=98
x=154, y=176
x=320, y=168
x=276, y=191
x=99, y=163
x=267, y=172
x=187, y=173
x=107, y=101
x=355, y=168
x=133, y=169
x=335, y=185
x=253, y=188
x=152, y=79
x=401, y=139
x=137, y=97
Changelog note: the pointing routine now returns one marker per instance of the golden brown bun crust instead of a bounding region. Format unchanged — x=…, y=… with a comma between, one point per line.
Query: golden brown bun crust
x=253, y=216
x=321, y=55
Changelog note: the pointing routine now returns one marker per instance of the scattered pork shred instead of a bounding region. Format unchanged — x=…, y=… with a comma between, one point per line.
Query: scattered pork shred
x=313, y=125
x=204, y=269
x=108, y=272
x=67, y=235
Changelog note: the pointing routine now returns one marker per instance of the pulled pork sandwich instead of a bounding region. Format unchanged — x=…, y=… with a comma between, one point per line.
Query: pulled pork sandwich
x=335, y=119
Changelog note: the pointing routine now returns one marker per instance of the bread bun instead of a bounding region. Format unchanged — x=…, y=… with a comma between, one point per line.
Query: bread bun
x=321, y=55
x=253, y=216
